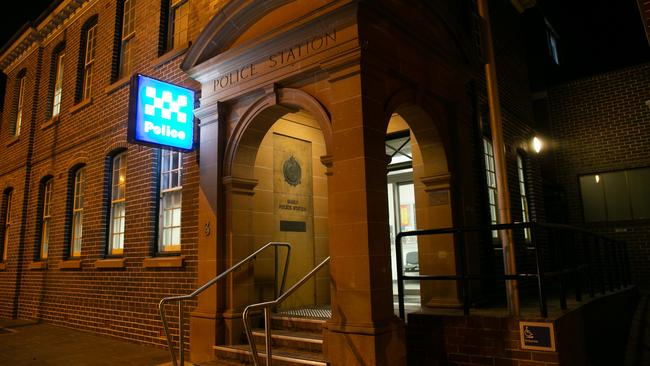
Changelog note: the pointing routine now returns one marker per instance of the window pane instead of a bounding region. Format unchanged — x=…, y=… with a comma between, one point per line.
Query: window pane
x=593, y=198
x=125, y=66
x=58, y=85
x=170, y=200
x=45, y=238
x=179, y=22
x=639, y=180
x=7, y=224
x=88, y=62
x=617, y=199
x=77, y=230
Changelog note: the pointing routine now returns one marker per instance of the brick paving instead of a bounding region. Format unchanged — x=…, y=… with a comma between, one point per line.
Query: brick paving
x=24, y=342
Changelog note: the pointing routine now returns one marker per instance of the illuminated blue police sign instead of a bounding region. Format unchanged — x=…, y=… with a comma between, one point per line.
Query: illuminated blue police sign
x=161, y=114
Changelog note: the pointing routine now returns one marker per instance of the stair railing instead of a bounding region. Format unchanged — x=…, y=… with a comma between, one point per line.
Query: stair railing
x=180, y=299
x=267, y=306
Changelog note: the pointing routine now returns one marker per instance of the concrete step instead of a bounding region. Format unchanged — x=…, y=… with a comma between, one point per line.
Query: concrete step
x=298, y=324
x=281, y=356
x=309, y=341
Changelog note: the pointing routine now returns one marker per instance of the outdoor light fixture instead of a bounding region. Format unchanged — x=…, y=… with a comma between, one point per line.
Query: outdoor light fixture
x=537, y=144
x=597, y=178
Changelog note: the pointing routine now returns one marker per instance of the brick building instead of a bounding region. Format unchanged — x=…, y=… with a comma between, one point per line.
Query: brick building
x=297, y=106
x=602, y=125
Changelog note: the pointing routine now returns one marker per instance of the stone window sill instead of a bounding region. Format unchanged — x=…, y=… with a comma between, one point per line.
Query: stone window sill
x=38, y=265
x=13, y=140
x=117, y=84
x=81, y=105
x=175, y=261
x=70, y=264
x=111, y=263
x=171, y=55
x=52, y=121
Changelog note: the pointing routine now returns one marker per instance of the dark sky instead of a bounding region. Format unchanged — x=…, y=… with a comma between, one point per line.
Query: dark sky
x=595, y=35
x=28, y=10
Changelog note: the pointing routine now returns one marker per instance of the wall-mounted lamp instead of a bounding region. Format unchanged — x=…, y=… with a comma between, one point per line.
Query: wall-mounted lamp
x=537, y=144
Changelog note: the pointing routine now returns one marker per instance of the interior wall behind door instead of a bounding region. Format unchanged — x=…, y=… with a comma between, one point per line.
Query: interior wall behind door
x=290, y=204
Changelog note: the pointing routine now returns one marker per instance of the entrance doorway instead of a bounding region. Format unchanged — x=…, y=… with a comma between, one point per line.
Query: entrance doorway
x=290, y=205
x=401, y=211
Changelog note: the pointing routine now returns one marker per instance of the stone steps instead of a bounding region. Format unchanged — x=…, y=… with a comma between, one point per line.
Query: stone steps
x=296, y=341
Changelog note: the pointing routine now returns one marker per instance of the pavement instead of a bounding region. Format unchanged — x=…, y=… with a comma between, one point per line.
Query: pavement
x=34, y=343
x=638, y=345
x=27, y=342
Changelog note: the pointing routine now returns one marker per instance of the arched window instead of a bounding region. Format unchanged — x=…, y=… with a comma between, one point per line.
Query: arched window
x=117, y=205
x=5, y=217
x=86, y=59
x=56, y=79
x=45, y=216
x=19, y=103
x=77, y=214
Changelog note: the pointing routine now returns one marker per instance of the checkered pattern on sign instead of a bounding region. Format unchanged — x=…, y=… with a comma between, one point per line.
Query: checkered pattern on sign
x=165, y=105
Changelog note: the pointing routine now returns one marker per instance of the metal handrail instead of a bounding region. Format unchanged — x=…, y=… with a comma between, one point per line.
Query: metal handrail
x=617, y=276
x=180, y=299
x=267, y=305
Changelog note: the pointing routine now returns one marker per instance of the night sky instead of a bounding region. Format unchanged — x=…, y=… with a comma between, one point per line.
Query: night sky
x=595, y=35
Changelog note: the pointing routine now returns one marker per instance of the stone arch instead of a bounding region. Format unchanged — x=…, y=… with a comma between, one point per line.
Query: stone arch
x=114, y=147
x=44, y=171
x=428, y=130
x=78, y=161
x=226, y=26
x=427, y=121
x=259, y=117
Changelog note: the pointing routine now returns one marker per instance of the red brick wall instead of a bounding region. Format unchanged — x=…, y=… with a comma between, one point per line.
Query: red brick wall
x=118, y=302
x=582, y=336
x=473, y=340
x=602, y=124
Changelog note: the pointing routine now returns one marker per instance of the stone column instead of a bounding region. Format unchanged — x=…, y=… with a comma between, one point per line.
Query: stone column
x=239, y=243
x=436, y=252
x=205, y=319
x=363, y=329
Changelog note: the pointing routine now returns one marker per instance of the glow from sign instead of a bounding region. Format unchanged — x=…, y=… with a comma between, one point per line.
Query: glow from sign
x=163, y=114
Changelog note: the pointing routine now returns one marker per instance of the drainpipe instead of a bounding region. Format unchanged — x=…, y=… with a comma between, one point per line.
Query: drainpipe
x=503, y=204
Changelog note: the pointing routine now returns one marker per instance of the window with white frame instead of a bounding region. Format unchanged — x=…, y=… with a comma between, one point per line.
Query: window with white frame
x=18, y=121
x=89, y=60
x=491, y=178
x=118, y=205
x=78, y=212
x=58, y=84
x=128, y=34
x=525, y=214
x=46, y=217
x=7, y=223
x=171, y=172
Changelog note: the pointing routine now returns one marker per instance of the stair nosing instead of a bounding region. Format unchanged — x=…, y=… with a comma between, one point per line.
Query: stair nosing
x=299, y=319
x=273, y=356
x=314, y=340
